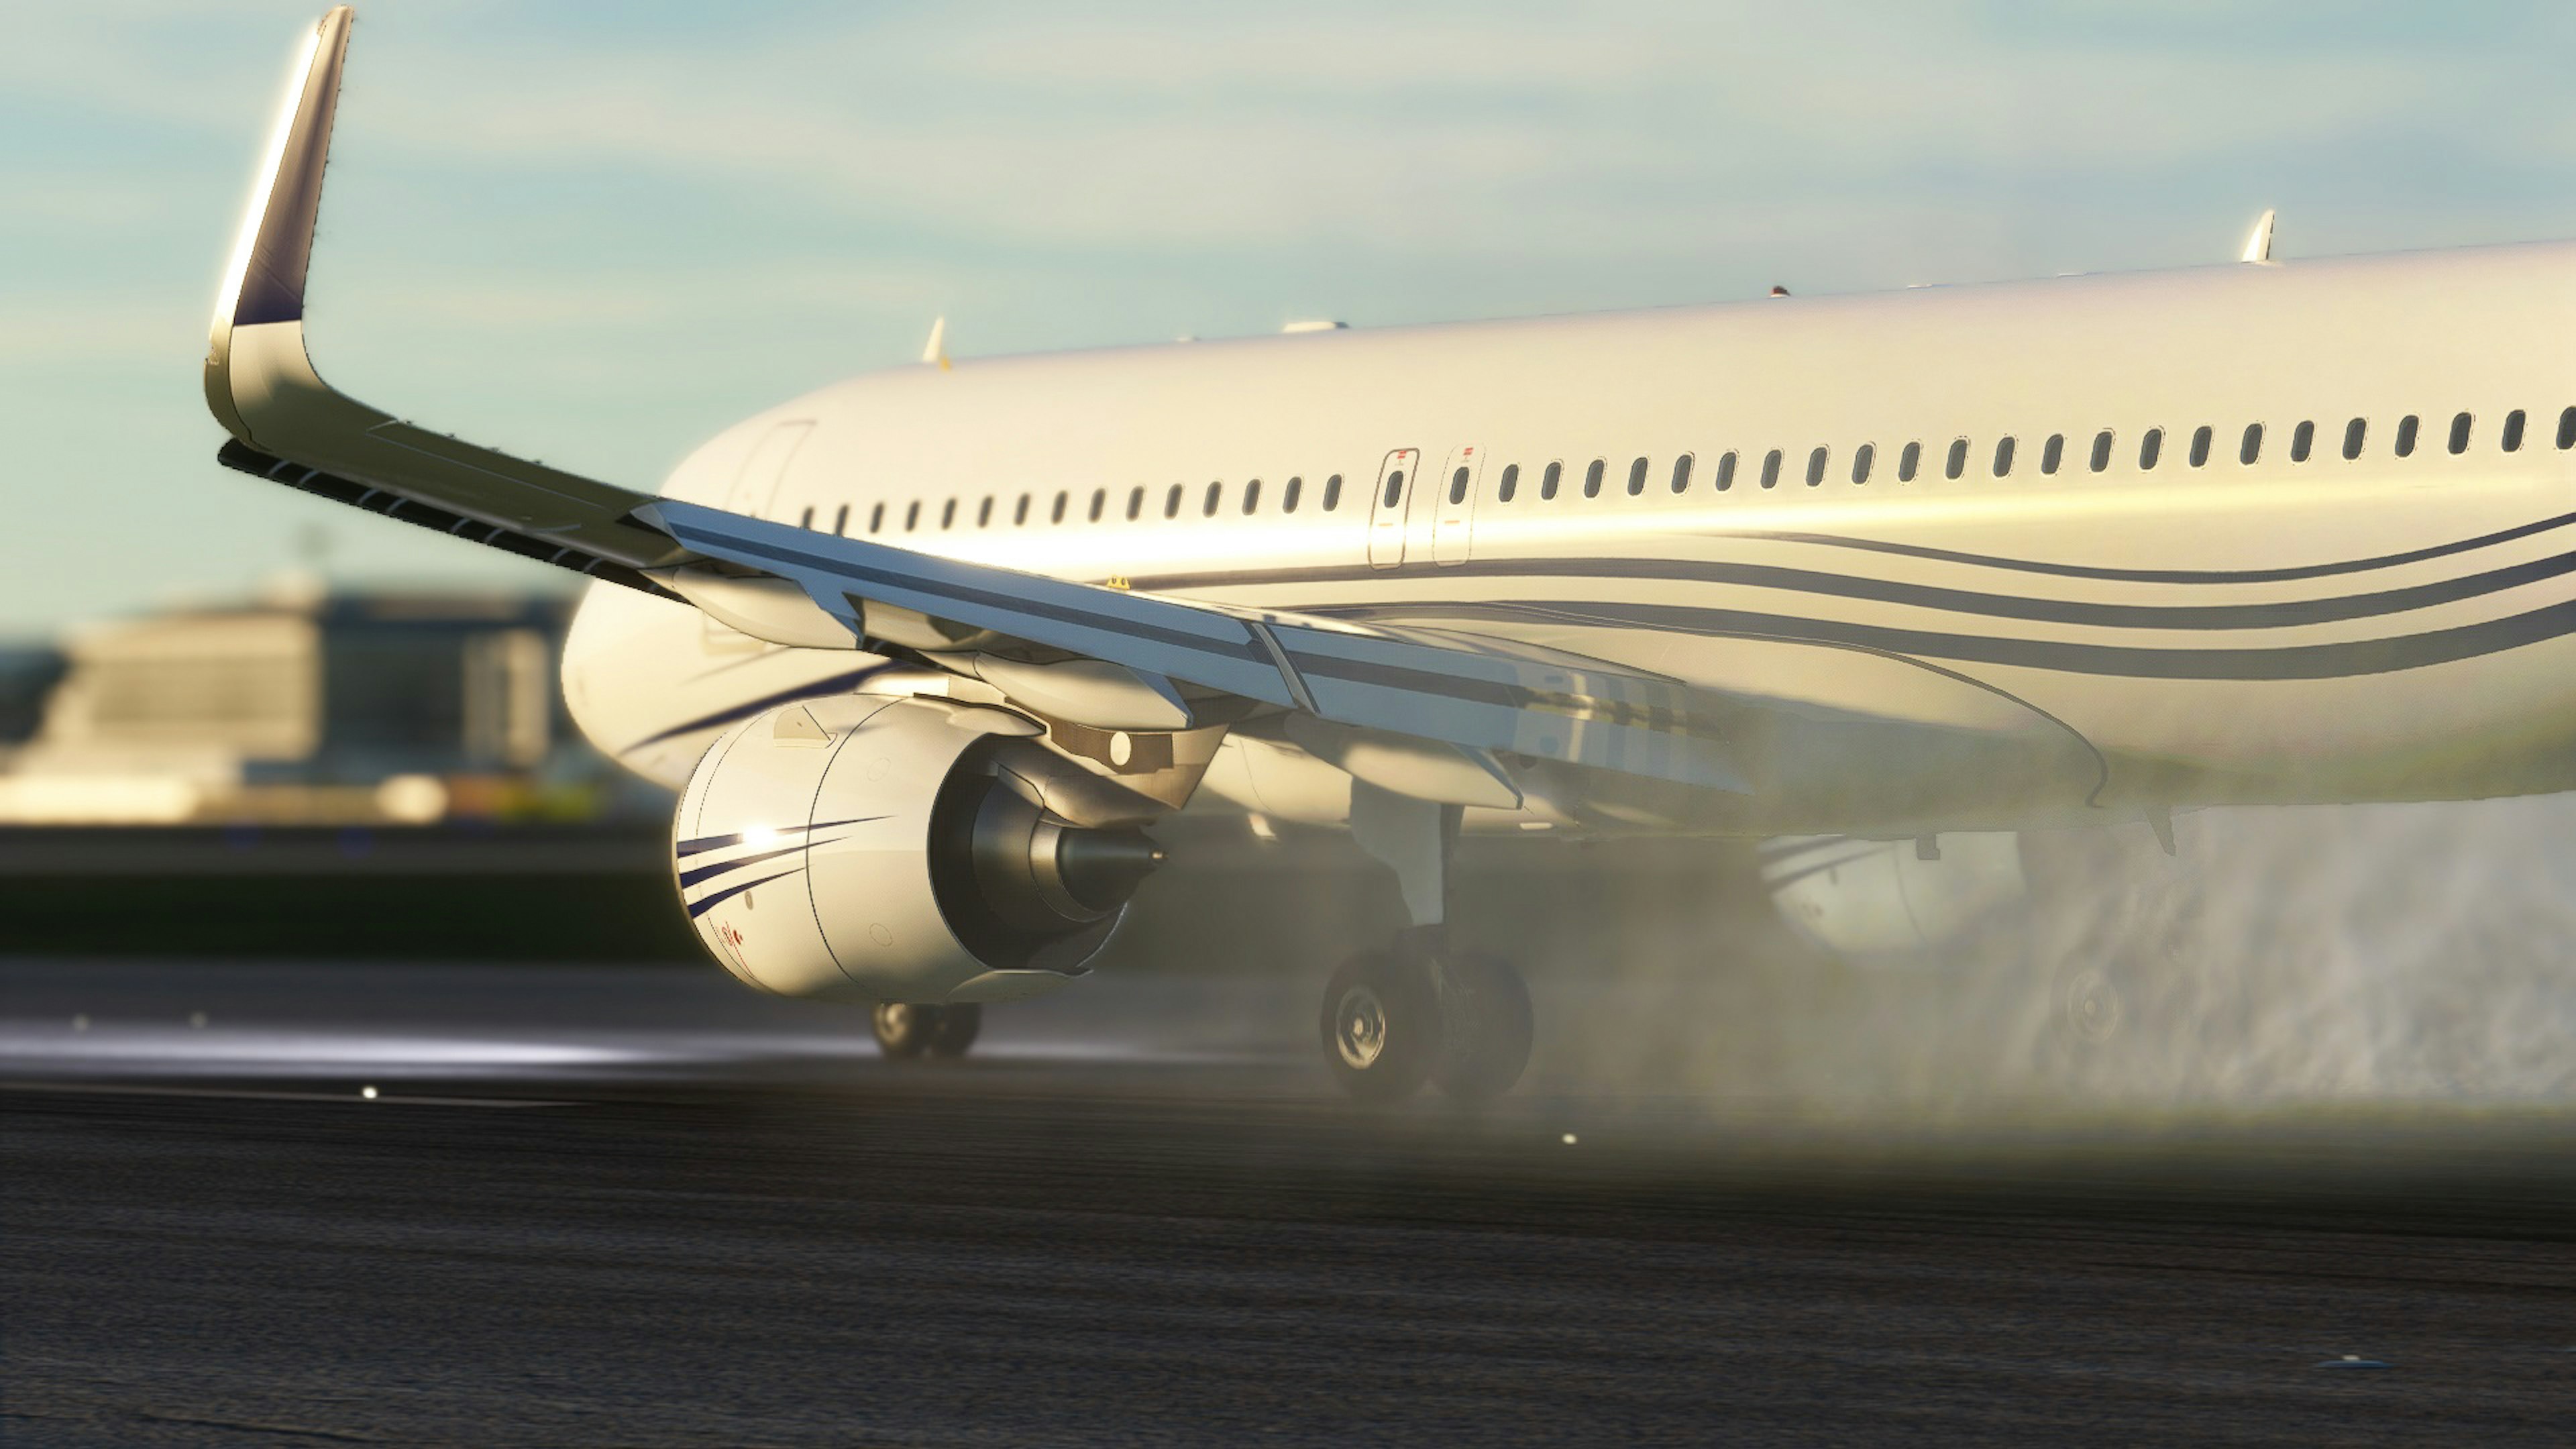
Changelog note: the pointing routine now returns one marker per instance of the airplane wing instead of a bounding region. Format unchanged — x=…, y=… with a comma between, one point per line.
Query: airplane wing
x=291, y=426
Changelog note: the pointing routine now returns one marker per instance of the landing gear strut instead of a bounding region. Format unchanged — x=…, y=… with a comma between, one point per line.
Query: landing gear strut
x=906, y=1031
x=1419, y=1010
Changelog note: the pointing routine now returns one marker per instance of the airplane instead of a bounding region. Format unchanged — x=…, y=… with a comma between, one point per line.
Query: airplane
x=925, y=652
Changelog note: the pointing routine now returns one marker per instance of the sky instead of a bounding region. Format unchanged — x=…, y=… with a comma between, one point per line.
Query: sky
x=597, y=233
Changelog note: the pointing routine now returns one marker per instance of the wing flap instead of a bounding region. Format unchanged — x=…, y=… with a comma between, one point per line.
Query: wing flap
x=1448, y=687
x=1205, y=646
x=1497, y=699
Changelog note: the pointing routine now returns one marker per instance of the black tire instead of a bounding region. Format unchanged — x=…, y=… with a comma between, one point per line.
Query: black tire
x=1381, y=1027
x=1487, y=1008
x=904, y=1030
x=954, y=1027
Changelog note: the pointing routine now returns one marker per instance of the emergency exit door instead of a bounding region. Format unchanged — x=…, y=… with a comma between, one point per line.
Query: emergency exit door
x=1389, y=504
x=1453, y=510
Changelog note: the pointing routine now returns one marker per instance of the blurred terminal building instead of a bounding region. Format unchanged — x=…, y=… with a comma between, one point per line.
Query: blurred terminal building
x=305, y=708
x=352, y=775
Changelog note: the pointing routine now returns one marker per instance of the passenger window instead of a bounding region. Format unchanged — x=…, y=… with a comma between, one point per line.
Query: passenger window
x=1394, y=488
x=2003, y=457
x=2567, y=430
x=1726, y=468
x=1771, y=469
x=2354, y=433
x=1172, y=501
x=1636, y=477
x=912, y=515
x=2303, y=438
x=808, y=520
x=1511, y=484
x=2407, y=427
x=2052, y=453
x=1862, y=457
x=841, y=520
x=2251, y=449
x=1815, y=467
x=1958, y=464
x=1332, y=493
x=948, y=514
x=1215, y=496
x=2201, y=438
x=2102, y=450
x=1020, y=511
x=1909, y=462
x=984, y=512
x=1547, y=482
x=876, y=518
x=1099, y=502
x=1057, y=516
x=1681, y=473
x=1135, y=503
x=1288, y=495
x=1592, y=478
x=2512, y=440
x=2151, y=446
x=2460, y=433
x=1251, y=495
x=1458, y=486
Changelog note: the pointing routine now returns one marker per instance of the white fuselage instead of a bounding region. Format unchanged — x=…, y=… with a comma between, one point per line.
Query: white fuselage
x=2303, y=626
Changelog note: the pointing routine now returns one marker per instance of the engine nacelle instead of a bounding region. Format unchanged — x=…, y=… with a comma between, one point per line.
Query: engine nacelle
x=888, y=849
x=1881, y=901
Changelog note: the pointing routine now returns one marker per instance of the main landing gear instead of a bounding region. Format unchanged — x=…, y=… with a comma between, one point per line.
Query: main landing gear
x=1420, y=1010
x=906, y=1032
x=1397, y=1018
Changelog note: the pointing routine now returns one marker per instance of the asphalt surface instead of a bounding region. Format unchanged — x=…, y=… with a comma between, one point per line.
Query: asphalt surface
x=597, y=1205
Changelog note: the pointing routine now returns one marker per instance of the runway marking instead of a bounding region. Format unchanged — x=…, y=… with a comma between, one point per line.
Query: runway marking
x=381, y=1099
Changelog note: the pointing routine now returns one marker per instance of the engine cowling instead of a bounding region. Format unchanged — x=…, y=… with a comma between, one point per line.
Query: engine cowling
x=888, y=849
x=1880, y=902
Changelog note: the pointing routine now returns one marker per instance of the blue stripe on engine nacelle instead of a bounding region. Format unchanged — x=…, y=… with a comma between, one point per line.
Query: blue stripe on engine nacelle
x=705, y=903
x=704, y=843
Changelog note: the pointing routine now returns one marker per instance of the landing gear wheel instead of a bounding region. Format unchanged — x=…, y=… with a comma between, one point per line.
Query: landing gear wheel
x=1382, y=1027
x=1486, y=1007
x=2089, y=1005
x=906, y=1030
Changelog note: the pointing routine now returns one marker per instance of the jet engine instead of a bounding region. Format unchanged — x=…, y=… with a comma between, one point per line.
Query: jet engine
x=1882, y=901
x=901, y=849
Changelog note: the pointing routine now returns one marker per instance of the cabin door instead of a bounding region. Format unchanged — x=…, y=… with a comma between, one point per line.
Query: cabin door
x=1388, y=505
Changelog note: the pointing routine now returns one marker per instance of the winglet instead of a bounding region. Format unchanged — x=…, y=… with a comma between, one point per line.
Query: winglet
x=936, y=349
x=265, y=279
x=2258, y=245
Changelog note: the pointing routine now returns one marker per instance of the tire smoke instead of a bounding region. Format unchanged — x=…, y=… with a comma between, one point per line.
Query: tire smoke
x=2322, y=956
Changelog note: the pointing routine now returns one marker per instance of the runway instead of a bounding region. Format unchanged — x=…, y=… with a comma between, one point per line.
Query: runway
x=641, y=1206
